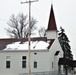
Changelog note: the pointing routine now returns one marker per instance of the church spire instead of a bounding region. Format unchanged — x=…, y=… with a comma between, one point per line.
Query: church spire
x=52, y=22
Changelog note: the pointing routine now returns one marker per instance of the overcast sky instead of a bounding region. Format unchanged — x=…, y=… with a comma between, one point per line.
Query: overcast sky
x=65, y=14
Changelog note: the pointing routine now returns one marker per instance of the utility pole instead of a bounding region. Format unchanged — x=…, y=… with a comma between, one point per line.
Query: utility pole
x=29, y=32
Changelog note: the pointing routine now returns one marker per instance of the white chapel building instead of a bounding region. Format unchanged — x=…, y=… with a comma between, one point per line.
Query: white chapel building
x=45, y=53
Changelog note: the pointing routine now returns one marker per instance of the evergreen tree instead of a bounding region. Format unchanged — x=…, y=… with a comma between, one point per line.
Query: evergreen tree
x=64, y=42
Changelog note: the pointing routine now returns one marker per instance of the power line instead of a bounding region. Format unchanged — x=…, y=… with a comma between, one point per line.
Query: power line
x=3, y=20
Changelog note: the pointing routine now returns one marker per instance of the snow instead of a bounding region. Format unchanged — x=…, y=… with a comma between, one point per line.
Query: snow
x=35, y=45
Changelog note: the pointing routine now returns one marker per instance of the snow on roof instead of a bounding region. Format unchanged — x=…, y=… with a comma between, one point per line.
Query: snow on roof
x=35, y=45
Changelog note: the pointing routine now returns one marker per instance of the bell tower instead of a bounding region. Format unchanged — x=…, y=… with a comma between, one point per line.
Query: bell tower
x=51, y=32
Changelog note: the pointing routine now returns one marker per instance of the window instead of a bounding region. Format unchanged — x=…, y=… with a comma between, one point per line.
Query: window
x=24, y=57
x=23, y=61
x=52, y=64
x=57, y=52
x=7, y=64
x=35, y=64
x=35, y=53
x=7, y=61
x=7, y=57
x=23, y=64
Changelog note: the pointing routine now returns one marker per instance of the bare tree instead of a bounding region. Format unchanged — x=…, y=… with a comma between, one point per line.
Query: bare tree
x=42, y=32
x=18, y=26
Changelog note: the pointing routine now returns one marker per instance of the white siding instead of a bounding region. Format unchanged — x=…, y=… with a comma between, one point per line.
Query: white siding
x=55, y=47
x=51, y=34
x=42, y=58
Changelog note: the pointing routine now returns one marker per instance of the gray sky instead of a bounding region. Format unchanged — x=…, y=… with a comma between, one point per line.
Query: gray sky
x=65, y=14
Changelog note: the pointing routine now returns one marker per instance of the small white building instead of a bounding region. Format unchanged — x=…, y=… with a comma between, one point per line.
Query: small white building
x=45, y=53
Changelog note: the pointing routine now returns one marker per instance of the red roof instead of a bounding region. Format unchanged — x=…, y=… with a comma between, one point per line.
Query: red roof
x=52, y=22
x=5, y=42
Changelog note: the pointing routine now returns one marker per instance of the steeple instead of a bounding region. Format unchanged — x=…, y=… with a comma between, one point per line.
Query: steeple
x=51, y=32
x=52, y=22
